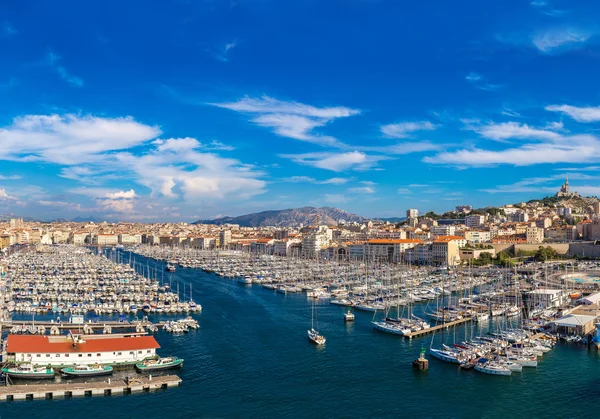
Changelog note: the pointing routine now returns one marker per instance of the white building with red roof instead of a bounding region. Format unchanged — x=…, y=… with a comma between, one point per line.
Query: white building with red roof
x=117, y=349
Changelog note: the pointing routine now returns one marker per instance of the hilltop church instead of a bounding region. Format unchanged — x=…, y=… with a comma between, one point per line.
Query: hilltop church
x=564, y=190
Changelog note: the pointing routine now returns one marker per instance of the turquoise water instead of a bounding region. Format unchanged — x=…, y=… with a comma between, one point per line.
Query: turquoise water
x=251, y=359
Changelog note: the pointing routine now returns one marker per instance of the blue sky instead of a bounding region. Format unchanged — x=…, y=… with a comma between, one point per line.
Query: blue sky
x=193, y=109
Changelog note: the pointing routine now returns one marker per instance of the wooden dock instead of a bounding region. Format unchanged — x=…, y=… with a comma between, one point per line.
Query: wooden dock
x=438, y=327
x=104, y=388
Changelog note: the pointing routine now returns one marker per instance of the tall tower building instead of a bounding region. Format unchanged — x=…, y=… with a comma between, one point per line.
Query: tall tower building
x=412, y=213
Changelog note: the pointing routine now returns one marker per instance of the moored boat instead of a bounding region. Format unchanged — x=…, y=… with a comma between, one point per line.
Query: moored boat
x=29, y=372
x=152, y=364
x=87, y=370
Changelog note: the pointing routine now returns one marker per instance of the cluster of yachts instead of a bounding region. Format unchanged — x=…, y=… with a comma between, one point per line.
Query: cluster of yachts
x=72, y=280
x=36, y=372
x=181, y=326
x=500, y=353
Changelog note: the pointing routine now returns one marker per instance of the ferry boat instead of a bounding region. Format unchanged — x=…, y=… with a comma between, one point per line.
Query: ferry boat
x=29, y=372
x=87, y=370
x=153, y=364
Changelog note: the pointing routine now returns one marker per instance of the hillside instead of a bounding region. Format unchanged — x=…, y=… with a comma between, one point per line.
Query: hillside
x=288, y=218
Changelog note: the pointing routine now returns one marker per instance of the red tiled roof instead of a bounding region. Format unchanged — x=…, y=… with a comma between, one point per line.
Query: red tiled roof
x=46, y=344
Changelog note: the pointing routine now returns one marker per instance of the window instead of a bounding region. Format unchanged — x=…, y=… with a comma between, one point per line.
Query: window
x=118, y=353
x=89, y=354
x=38, y=355
x=131, y=353
x=98, y=354
x=148, y=351
x=139, y=352
x=66, y=355
x=57, y=355
x=80, y=355
x=47, y=355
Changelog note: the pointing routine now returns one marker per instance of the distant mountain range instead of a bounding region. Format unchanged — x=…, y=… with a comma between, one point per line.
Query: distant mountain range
x=288, y=217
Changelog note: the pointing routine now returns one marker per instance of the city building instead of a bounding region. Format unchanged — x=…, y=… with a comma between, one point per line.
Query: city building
x=446, y=250
x=474, y=221
x=534, y=235
x=224, y=238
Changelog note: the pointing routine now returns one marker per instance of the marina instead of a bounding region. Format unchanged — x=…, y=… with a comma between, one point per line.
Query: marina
x=252, y=312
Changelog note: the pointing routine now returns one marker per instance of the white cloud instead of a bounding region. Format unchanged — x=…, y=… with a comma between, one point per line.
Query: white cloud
x=4, y=195
x=404, y=191
x=556, y=40
x=337, y=162
x=70, y=139
x=290, y=119
x=13, y=177
x=573, y=149
x=334, y=181
x=585, y=114
x=508, y=130
x=480, y=82
x=299, y=179
x=130, y=194
x=541, y=184
x=404, y=129
x=402, y=148
x=222, y=53
x=362, y=189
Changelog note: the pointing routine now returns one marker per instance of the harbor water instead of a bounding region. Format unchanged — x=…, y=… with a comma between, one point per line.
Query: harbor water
x=251, y=359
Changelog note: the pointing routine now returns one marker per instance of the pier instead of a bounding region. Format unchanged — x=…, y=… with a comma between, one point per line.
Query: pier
x=438, y=327
x=105, y=388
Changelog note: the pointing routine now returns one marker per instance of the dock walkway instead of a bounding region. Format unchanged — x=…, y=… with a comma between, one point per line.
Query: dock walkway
x=438, y=327
x=104, y=388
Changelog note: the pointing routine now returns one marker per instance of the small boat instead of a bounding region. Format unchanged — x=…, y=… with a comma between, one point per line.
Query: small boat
x=315, y=337
x=575, y=295
x=170, y=268
x=29, y=372
x=349, y=316
x=157, y=363
x=87, y=370
x=492, y=368
x=245, y=280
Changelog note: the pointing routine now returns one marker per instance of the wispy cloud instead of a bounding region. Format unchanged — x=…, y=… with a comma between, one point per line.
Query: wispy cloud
x=480, y=82
x=290, y=119
x=337, y=162
x=404, y=129
x=513, y=130
x=583, y=114
x=545, y=8
x=362, y=190
x=559, y=40
x=222, y=53
x=13, y=177
x=404, y=191
x=72, y=80
x=539, y=184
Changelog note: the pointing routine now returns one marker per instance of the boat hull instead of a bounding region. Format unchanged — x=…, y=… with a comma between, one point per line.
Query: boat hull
x=98, y=373
x=176, y=364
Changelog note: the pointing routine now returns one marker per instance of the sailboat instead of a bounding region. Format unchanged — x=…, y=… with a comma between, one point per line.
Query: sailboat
x=314, y=335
